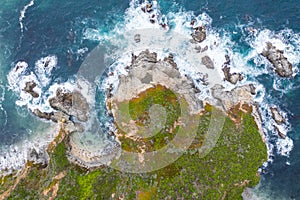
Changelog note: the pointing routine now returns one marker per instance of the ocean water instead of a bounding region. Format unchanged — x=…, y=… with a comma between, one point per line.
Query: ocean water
x=66, y=31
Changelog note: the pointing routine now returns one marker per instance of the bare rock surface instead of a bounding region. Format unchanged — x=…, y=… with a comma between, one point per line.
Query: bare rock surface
x=279, y=119
x=146, y=71
x=206, y=60
x=229, y=99
x=281, y=64
x=30, y=89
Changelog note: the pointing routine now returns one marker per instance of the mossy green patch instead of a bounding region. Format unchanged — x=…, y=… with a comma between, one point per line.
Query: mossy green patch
x=139, y=112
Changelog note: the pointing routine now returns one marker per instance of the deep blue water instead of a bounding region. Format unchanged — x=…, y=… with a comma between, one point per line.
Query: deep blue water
x=57, y=27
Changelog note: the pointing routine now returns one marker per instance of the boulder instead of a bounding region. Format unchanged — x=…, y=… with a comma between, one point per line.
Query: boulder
x=231, y=77
x=199, y=34
x=281, y=64
x=137, y=38
x=29, y=89
x=279, y=119
x=206, y=60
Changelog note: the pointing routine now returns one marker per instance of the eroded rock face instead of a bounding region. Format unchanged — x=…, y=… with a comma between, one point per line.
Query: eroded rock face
x=30, y=89
x=281, y=64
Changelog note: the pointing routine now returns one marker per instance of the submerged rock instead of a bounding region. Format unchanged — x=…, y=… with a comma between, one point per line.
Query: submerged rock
x=281, y=64
x=137, y=38
x=206, y=60
x=29, y=88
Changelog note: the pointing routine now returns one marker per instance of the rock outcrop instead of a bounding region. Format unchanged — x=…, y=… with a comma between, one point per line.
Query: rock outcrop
x=71, y=108
x=30, y=89
x=72, y=104
x=231, y=77
x=146, y=71
x=279, y=119
x=281, y=64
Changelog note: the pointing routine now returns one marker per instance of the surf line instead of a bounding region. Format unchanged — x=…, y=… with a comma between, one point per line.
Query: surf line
x=22, y=14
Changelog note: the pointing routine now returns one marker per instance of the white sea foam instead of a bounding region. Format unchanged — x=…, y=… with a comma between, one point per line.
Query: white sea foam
x=22, y=14
x=43, y=69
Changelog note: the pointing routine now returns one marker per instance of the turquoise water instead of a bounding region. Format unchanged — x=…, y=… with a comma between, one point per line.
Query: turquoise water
x=60, y=28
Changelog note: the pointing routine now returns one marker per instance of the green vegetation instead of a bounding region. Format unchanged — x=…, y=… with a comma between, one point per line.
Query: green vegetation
x=139, y=112
x=222, y=174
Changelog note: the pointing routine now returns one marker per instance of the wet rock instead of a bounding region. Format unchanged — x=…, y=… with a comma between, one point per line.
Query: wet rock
x=231, y=77
x=279, y=119
x=252, y=89
x=29, y=89
x=149, y=7
x=204, y=49
x=137, y=38
x=280, y=133
x=208, y=62
x=282, y=66
x=170, y=59
x=227, y=62
x=43, y=115
x=199, y=34
x=152, y=21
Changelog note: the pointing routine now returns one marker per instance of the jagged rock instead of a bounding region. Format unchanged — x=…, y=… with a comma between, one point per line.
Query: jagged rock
x=199, y=34
x=231, y=98
x=137, y=38
x=29, y=88
x=231, y=77
x=145, y=56
x=279, y=119
x=170, y=59
x=252, y=89
x=73, y=104
x=40, y=157
x=146, y=71
x=282, y=66
x=206, y=60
